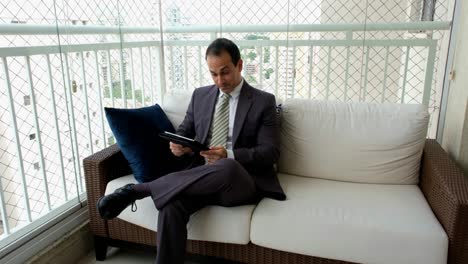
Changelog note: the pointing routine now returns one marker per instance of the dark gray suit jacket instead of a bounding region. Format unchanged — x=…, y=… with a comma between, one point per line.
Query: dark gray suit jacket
x=255, y=138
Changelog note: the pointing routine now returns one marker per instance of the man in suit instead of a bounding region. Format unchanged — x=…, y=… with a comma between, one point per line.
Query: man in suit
x=239, y=123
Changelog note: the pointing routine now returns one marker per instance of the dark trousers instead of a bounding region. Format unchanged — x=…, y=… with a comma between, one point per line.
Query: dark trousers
x=177, y=195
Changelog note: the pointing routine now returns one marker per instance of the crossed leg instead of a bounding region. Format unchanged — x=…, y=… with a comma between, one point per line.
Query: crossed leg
x=224, y=183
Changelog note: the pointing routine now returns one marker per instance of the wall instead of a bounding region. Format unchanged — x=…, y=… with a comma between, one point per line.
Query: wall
x=69, y=249
x=455, y=137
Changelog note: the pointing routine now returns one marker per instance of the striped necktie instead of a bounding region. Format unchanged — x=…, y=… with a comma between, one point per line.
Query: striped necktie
x=221, y=121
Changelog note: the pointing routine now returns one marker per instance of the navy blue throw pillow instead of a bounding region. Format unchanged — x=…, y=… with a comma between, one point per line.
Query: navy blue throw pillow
x=137, y=134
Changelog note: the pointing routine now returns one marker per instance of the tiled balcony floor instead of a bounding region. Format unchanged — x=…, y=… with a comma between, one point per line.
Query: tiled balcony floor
x=125, y=256
x=121, y=256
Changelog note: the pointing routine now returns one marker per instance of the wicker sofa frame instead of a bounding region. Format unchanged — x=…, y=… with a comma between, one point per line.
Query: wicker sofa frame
x=443, y=183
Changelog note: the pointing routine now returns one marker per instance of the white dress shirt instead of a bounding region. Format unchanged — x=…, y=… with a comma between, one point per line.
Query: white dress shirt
x=232, y=116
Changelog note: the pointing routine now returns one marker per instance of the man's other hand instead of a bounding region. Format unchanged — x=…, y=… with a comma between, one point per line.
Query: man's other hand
x=179, y=150
x=214, y=154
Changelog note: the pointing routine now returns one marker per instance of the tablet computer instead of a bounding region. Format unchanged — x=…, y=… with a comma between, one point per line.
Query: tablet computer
x=184, y=141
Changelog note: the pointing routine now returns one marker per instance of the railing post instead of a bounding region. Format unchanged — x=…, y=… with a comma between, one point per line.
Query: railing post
x=200, y=58
x=101, y=107
x=213, y=35
x=17, y=140
x=349, y=36
x=18, y=150
x=123, y=90
x=185, y=69
x=293, y=77
x=160, y=74
x=366, y=72
x=328, y=73
x=276, y=69
x=109, y=78
x=73, y=135
x=3, y=212
x=143, y=99
x=405, y=74
x=311, y=59
x=132, y=74
x=384, y=85
x=429, y=72
x=57, y=129
x=150, y=62
x=38, y=129
x=85, y=89
x=260, y=59
x=171, y=55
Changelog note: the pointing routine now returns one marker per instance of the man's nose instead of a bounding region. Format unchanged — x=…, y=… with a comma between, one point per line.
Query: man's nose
x=221, y=79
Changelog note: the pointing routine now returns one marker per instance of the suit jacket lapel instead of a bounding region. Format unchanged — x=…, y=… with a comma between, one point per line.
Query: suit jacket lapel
x=209, y=108
x=243, y=107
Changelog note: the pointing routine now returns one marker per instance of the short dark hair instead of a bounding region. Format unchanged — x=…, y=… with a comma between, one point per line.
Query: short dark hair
x=222, y=44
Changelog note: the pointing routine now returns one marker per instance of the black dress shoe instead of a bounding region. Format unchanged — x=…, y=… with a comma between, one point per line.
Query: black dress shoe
x=111, y=205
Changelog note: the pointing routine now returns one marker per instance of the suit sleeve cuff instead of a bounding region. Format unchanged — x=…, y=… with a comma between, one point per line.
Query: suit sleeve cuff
x=230, y=154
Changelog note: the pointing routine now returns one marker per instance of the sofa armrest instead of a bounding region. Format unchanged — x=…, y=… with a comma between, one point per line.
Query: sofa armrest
x=446, y=189
x=99, y=169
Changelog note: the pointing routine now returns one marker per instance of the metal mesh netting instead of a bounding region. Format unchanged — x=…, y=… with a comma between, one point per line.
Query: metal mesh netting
x=365, y=83
x=92, y=71
x=83, y=82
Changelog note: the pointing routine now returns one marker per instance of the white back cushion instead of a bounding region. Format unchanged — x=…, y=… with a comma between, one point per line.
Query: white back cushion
x=175, y=105
x=355, y=142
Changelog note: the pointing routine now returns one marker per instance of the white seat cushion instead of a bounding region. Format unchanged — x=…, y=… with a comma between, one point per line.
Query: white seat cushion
x=355, y=142
x=365, y=223
x=212, y=223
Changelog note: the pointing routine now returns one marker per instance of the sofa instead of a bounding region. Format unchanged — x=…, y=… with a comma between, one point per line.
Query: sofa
x=363, y=185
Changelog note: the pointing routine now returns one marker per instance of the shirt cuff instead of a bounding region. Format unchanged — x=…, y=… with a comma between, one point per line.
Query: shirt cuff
x=230, y=154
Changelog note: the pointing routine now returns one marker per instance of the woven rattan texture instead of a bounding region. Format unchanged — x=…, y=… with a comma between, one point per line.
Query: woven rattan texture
x=100, y=168
x=446, y=190
x=126, y=231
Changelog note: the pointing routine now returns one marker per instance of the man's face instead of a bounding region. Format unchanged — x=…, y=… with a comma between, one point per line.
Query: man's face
x=225, y=74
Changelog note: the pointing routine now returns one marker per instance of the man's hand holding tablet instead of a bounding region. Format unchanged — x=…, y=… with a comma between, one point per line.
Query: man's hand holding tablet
x=184, y=141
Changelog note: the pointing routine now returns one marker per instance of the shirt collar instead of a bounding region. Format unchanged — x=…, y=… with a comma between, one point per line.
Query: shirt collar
x=236, y=92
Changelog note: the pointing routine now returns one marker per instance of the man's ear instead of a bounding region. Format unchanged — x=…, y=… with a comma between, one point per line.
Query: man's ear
x=240, y=65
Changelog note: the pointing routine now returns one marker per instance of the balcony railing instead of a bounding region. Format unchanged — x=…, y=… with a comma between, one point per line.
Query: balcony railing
x=52, y=96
